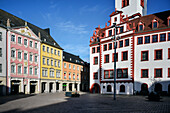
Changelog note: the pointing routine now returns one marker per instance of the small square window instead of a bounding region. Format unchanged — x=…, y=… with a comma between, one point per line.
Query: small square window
x=144, y=73
x=155, y=24
x=110, y=46
x=158, y=73
x=110, y=32
x=144, y=56
x=121, y=43
x=124, y=55
x=154, y=38
x=106, y=59
x=162, y=37
x=147, y=39
x=158, y=54
x=126, y=42
x=140, y=40
x=105, y=47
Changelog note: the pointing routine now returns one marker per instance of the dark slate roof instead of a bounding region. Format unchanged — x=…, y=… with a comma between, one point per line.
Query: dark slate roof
x=18, y=22
x=67, y=56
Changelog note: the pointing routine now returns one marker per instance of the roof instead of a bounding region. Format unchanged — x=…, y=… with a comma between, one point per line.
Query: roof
x=72, y=58
x=18, y=22
x=161, y=17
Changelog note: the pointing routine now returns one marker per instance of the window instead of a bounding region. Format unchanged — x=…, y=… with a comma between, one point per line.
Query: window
x=121, y=29
x=122, y=88
x=110, y=46
x=59, y=64
x=0, y=68
x=51, y=62
x=48, y=49
x=55, y=51
x=168, y=36
x=114, y=57
x=144, y=73
x=58, y=53
x=64, y=65
x=0, y=36
x=30, y=57
x=30, y=71
x=25, y=42
x=105, y=47
x=51, y=73
x=77, y=68
x=158, y=54
x=140, y=27
x=124, y=55
x=0, y=52
x=125, y=3
x=43, y=61
x=13, y=53
x=69, y=66
x=12, y=68
x=51, y=50
x=122, y=73
x=74, y=76
x=36, y=60
x=43, y=48
x=144, y=55
x=168, y=72
x=35, y=45
x=73, y=67
x=57, y=73
x=64, y=75
x=25, y=56
x=142, y=3
x=93, y=50
x=95, y=60
x=55, y=63
x=121, y=43
x=126, y=42
x=35, y=71
x=158, y=72
x=77, y=76
x=31, y=45
x=140, y=40
x=98, y=49
x=48, y=63
x=13, y=38
x=19, y=40
x=162, y=37
x=155, y=24
x=110, y=32
x=25, y=70
x=154, y=38
x=108, y=74
x=69, y=75
x=115, y=19
x=168, y=53
x=95, y=75
x=147, y=39
x=106, y=58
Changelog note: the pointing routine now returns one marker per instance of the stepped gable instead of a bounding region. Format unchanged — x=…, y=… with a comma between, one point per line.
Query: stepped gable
x=67, y=57
x=18, y=22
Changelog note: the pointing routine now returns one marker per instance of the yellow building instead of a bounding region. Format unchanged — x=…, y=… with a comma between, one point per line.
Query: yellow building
x=51, y=65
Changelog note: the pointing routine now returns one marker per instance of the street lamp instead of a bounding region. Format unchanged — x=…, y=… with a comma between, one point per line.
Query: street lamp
x=114, y=40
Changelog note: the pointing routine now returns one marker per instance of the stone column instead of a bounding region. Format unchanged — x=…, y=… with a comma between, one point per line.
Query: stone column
x=78, y=87
x=67, y=87
x=60, y=86
x=46, y=87
x=22, y=86
x=28, y=87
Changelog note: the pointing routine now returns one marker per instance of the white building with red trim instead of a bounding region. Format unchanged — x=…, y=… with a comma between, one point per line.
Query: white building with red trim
x=143, y=51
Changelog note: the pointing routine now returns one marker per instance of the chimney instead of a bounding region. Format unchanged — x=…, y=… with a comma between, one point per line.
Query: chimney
x=39, y=35
x=47, y=30
x=8, y=23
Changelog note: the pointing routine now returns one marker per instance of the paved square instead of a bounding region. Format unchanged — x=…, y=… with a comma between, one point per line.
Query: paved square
x=86, y=103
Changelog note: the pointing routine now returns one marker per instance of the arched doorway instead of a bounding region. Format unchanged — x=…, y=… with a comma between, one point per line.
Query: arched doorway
x=122, y=88
x=158, y=87
x=95, y=88
x=109, y=88
x=144, y=89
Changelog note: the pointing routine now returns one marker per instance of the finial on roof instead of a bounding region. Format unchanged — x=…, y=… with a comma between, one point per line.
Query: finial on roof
x=39, y=35
x=25, y=23
x=8, y=23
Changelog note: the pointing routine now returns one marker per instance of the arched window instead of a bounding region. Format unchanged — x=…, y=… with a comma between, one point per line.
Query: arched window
x=109, y=88
x=158, y=87
x=122, y=88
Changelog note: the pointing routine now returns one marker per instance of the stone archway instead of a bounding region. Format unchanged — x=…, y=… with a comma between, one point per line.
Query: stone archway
x=95, y=88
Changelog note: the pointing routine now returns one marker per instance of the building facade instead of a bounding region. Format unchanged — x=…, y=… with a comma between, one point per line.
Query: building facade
x=2, y=60
x=72, y=70
x=51, y=65
x=142, y=56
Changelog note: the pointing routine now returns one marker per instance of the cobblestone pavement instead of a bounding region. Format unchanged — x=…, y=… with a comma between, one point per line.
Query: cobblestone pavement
x=86, y=103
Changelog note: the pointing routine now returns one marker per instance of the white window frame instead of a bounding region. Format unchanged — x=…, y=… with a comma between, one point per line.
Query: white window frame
x=31, y=70
x=26, y=55
x=13, y=69
x=20, y=70
x=48, y=49
x=25, y=43
x=36, y=45
x=26, y=70
x=13, y=38
x=19, y=51
x=65, y=65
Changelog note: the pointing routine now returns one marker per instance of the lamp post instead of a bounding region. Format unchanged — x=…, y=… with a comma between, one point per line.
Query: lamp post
x=114, y=40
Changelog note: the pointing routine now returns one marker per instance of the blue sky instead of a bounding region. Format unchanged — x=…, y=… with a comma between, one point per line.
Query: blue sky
x=71, y=22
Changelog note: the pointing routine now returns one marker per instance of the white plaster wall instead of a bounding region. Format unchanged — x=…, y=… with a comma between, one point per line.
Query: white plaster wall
x=151, y=64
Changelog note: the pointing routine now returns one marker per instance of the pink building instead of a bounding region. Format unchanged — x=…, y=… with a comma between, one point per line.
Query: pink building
x=23, y=60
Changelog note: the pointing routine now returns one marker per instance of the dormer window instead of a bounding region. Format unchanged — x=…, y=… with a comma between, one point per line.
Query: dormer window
x=70, y=59
x=154, y=24
x=142, y=3
x=140, y=26
x=125, y=3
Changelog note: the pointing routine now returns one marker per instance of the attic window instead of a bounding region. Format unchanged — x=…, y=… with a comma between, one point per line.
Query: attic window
x=155, y=24
x=44, y=40
x=70, y=59
x=168, y=21
x=63, y=57
x=54, y=43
